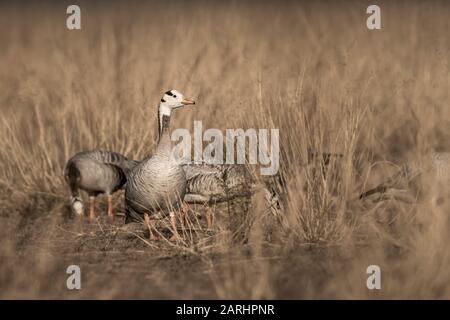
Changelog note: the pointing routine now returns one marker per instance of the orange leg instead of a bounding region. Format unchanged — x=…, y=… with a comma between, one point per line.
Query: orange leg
x=184, y=212
x=209, y=217
x=173, y=223
x=109, y=210
x=149, y=225
x=91, y=207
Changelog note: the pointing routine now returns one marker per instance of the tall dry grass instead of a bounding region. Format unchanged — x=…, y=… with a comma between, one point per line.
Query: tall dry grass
x=313, y=70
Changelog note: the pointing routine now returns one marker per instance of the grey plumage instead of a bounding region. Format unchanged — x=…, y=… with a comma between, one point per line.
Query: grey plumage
x=213, y=183
x=209, y=183
x=95, y=172
x=157, y=185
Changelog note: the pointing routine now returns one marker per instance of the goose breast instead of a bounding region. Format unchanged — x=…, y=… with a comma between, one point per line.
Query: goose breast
x=155, y=185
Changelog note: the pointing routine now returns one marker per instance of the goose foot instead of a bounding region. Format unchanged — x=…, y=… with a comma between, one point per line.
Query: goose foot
x=149, y=225
x=175, y=238
x=152, y=237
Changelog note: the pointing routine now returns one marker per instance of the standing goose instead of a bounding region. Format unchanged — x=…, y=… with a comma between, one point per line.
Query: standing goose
x=95, y=172
x=158, y=183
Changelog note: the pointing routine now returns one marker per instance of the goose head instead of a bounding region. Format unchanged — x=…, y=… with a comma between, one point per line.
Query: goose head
x=77, y=206
x=174, y=99
x=171, y=100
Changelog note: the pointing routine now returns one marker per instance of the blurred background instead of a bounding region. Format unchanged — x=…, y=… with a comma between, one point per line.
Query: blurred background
x=311, y=69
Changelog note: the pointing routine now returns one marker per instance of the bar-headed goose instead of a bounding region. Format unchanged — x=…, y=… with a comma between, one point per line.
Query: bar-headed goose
x=157, y=185
x=95, y=172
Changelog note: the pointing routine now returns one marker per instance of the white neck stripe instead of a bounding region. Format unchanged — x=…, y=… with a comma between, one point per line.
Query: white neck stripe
x=164, y=110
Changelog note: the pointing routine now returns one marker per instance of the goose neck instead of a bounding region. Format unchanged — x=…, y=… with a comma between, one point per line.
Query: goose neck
x=164, y=124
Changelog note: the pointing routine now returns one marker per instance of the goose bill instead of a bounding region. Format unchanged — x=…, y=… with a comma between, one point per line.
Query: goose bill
x=187, y=102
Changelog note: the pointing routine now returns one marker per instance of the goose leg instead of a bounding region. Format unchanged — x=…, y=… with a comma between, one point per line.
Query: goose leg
x=91, y=207
x=109, y=210
x=173, y=223
x=184, y=212
x=149, y=225
x=209, y=217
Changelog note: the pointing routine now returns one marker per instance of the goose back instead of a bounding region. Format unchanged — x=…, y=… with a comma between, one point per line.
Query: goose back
x=97, y=171
x=217, y=183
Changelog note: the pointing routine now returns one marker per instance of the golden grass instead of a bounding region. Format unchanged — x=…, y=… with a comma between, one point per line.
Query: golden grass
x=312, y=70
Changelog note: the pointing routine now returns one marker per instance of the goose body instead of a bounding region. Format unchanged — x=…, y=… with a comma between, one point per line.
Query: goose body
x=96, y=172
x=208, y=183
x=157, y=185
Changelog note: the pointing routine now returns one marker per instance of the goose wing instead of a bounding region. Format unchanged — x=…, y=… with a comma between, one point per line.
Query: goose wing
x=113, y=158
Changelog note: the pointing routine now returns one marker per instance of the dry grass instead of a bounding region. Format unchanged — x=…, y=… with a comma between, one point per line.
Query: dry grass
x=312, y=70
